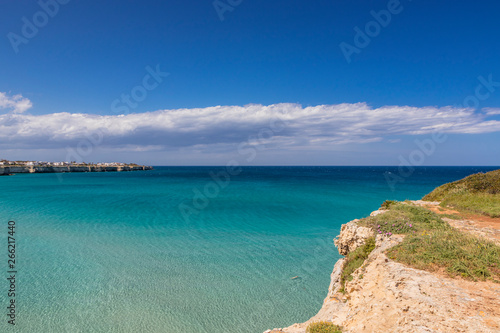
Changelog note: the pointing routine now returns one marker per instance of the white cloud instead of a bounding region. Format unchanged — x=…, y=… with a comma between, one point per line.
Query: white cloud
x=223, y=126
x=491, y=111
x=15, y=104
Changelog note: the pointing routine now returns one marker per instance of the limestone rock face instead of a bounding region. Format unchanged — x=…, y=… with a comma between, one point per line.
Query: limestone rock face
x=351, y=236
x=377, y=212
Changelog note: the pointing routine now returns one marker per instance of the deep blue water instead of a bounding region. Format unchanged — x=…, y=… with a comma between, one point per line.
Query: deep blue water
x=146, y=252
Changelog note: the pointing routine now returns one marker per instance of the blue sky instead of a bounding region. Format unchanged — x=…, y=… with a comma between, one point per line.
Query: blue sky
x=425, y=67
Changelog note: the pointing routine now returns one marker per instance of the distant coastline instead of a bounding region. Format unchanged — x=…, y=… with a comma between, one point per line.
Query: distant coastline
x=9, y=168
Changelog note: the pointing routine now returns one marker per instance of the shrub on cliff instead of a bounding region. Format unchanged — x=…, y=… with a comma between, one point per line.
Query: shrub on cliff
x=387, y=204
x=323, y=327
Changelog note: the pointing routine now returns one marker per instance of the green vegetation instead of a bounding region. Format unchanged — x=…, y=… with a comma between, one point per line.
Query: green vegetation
x=355, y=259
x=432, y=244
x=323, y=327
x=457, y=252
x=478, y=193
x=387, y=204
x=404, y=218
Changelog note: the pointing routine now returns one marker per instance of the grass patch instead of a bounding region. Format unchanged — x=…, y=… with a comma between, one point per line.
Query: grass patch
x=484, y=204
x=355, y=259
x=323, y=327
x=459, y=253
x=432, y=244
x=478, y=193
x=404, y=218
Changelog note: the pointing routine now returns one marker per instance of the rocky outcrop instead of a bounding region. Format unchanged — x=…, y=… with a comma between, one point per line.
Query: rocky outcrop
x=6, y=170
x=386, y=296
x=351, y=236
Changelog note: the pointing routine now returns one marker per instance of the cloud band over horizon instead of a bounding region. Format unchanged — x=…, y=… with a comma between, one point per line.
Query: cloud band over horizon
x=313, y=126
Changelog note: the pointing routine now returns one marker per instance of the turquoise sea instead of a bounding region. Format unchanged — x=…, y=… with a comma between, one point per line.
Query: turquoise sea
x=146, y=252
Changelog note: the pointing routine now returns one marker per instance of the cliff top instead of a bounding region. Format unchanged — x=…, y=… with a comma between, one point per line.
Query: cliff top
x=478, y=193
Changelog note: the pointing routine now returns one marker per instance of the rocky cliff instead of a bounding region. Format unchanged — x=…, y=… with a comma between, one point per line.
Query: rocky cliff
x=386, y=296
x=6, y=170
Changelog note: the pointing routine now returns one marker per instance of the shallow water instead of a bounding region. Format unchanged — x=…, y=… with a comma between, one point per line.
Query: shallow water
x=112, y=252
